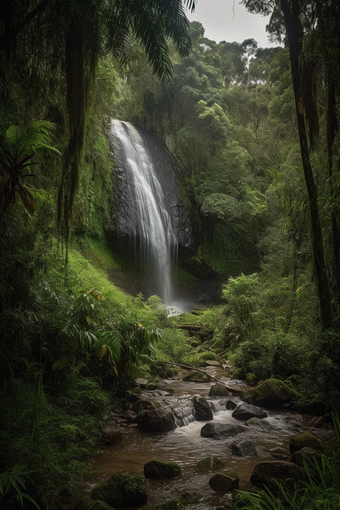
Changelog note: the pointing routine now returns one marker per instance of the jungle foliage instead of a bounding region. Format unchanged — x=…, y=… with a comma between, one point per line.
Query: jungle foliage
x=70, y=341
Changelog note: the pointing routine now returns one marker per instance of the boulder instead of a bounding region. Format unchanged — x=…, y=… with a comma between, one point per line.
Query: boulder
x=220, y=430
x=230, y=405
x=266, y=474
x=219, y=390
x=173, y=504
x=243, y=448
x=151, y=386
x=156, y=420
x=307, y=438
x=245, y=411
x=160, y=470
x=272, y=393
x=224, y=482
x=210, y=464
x=197, y=377
x=308, y=453
x=111, y=435
x=125, y=488
x=202, y=409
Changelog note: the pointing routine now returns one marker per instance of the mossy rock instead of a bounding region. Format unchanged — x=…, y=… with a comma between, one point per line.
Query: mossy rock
x=208, y=355
x=197, y=377
x=161, y=470
x=173, y=504
x=92, y=504
x=219, y=390
x=251, y=379
x=210, y=464
x=143, y=404
x=305, y=439
x=272, y=393
x=239, y=373
x=125, y=488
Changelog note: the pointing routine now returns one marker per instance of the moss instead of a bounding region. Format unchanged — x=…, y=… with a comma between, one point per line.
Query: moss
x=251, y=379
x=161, y=470
x=239, y=373
x=125, y=488
x=305, y=439
x=273, y=393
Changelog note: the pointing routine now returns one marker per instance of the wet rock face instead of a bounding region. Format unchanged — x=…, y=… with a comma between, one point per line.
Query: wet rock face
x=168, y=173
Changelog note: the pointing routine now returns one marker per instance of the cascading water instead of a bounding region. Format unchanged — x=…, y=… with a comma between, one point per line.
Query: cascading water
x=149, y=218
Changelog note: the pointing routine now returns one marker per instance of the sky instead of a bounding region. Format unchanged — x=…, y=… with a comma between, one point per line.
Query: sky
x=228, y=20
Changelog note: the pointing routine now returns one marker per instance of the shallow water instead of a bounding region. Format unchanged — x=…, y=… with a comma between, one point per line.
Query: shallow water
x=185, y=446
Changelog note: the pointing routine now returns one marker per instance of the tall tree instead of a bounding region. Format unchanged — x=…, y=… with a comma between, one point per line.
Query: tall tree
x=294, y=16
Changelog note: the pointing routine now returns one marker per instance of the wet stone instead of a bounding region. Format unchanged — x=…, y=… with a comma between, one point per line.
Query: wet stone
x=224, y=482
x=210, y=464
x=243, y=448
x=245, y=411
x=202, y=409
x=220, y=430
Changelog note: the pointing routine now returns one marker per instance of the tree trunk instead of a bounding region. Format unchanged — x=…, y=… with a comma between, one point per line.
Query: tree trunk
x=295, y=35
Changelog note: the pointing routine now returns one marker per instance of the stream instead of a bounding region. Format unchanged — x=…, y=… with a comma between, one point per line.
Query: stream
x=185, y=446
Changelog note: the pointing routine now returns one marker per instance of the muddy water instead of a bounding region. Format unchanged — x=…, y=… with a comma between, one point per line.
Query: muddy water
x=185, y=445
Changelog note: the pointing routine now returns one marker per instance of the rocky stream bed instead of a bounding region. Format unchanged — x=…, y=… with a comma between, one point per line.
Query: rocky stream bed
x=193, y=443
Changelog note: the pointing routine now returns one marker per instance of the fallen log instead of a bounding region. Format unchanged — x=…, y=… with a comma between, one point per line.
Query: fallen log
x=230, y=388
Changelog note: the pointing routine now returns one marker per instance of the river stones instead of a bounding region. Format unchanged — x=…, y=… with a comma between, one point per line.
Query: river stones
x=305, y=439
x=270, y=394
x=210, y=464
x=260, y=424
x=266, y=474
x=111, y=435
x=160, y=470
x=224, y=482
x=125, y=488
x=243, y=448
x=245, y=411
x=220, y=430
x=156, y=420
x=202, y=409
x=219, y=390
x=197, y=377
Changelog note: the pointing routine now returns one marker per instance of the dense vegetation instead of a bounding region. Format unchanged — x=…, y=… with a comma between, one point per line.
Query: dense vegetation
x=239, y=118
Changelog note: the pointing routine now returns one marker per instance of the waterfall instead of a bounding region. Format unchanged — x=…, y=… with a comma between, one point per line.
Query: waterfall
x=149, y=218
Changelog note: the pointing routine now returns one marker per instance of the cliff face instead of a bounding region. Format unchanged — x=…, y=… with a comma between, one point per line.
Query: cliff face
x=174, y=198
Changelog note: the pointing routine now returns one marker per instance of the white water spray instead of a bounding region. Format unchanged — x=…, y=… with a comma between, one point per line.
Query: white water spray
x=151, y=221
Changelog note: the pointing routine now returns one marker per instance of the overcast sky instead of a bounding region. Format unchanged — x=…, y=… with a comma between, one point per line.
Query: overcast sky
x=228, y=20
